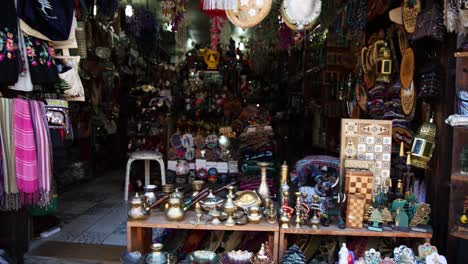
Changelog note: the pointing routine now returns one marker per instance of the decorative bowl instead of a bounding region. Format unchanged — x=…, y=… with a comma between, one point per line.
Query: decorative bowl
x=239, y=257
x=204, y=257
x=247, y=199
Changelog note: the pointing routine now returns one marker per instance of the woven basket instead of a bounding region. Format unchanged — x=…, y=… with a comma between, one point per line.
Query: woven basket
x=243, y=19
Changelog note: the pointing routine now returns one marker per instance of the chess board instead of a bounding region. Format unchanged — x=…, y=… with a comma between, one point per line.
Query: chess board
x=367, y=139
x=361, y=183
x=355, y=211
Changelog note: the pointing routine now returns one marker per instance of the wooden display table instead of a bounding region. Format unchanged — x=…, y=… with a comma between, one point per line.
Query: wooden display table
x=139, y=234
x=333, y=230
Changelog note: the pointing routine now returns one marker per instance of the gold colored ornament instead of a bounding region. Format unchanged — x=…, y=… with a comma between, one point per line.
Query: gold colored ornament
x=408, y=98
x=211, y=58
x=249, y=13
x=411, y=9
x=383, y=62
x=424, y=144
x=407, y=68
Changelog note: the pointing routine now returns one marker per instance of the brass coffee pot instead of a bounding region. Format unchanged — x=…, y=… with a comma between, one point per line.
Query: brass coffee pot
x=175, y=207
x=137, y=210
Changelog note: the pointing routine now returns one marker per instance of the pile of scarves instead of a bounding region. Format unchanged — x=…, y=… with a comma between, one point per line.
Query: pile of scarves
x=26, y=155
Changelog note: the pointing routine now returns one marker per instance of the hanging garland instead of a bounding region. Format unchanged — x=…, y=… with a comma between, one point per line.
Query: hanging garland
x=215, y=10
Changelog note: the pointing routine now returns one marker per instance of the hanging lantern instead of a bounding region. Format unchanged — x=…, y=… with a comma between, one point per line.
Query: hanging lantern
x=424, y=144
x=384, y=63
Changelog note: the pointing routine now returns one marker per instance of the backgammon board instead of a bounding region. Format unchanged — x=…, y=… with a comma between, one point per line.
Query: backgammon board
x=367, y=139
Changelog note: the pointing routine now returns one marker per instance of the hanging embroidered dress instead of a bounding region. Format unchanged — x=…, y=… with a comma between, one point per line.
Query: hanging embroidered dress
x=9, y=57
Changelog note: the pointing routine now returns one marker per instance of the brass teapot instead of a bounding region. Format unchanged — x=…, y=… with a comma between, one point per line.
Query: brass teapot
x=138, y=210
x=175, y=207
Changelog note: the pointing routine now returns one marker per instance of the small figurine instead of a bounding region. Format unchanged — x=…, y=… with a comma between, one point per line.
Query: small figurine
x=263, y=256
x=386, y=216
x=401, y=219
x=343, y=255
x=376, y=219
x=271, y=214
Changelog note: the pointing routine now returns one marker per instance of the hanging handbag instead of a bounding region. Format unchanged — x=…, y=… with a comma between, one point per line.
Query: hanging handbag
x=72, y=78
x=57, y=114
x=430, y=23
x=52, y=18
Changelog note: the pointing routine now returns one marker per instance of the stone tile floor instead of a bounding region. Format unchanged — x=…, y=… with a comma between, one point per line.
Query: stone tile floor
x=94, y=212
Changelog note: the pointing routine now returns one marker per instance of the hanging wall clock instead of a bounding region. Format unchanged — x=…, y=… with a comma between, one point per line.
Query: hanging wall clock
x=411, y=9
x=249, y=13
x=300, y=14
x=408, y=99
x=407, y=68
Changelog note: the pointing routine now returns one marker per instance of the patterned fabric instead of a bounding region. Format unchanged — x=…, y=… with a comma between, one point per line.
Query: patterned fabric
x=24, y=80
x=25, y=152
x=310, y=166
x=9, y=57
x=10, y=200
x=44, y=155
x=41, y=59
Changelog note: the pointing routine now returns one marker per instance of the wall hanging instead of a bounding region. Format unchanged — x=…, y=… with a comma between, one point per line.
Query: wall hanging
x=300, y=15
x=249, y=12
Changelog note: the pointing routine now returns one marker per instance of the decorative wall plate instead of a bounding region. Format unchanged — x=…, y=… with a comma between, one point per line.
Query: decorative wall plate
x=425, y=250
x=407, y=68
x=372, y=257
x=435, y=258
x=249, y=13
x=408, y=99
x=411, y=9
x=176, y=140
x=211, y=141
x=300, y=14
x=189, y=154
x=187, y=141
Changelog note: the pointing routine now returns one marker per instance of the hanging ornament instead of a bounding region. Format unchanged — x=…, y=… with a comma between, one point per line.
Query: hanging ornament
x=411, y=9
x=217, y=24
x=299, y=15
x=249, y=12
x=219, y=4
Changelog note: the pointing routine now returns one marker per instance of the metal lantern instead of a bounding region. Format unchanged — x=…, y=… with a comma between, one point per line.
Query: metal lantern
x=424, y=144
x=384, y=64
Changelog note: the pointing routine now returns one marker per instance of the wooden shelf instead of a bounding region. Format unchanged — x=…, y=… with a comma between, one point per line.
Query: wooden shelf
x=459, y=177
x=158, y=220
x=461, y=54
x=335, y=231
x=459, y=234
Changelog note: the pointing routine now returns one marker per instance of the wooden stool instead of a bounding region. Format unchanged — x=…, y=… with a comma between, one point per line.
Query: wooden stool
x=147, y=156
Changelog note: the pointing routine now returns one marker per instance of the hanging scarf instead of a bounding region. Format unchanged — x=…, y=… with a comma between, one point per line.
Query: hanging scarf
x=44, y=154
x=11, y=194
x=24, y=80
x=25, y=150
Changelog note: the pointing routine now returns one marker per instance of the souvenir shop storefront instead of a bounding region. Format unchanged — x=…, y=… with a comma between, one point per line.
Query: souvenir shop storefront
x=233, y=131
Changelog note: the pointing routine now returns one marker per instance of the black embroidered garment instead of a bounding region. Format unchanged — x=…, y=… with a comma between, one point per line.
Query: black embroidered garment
x=53, y=18
x=41, y=59
x=9, y=55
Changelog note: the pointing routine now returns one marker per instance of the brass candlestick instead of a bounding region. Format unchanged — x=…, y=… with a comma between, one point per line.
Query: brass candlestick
x=298, y=209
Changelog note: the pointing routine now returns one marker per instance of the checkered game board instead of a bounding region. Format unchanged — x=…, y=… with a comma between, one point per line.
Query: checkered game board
x=366, y=139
